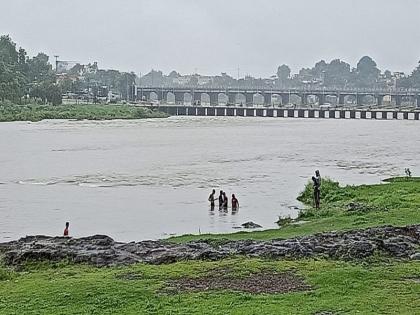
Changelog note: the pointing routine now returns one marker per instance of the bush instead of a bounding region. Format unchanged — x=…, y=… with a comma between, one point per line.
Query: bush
x=330, y=191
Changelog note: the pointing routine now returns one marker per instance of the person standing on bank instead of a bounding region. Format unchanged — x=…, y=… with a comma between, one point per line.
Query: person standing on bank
x=317, y=188
x=211, y=199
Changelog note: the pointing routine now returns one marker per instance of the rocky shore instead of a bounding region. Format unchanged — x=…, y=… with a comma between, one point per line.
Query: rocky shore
x=101, y=250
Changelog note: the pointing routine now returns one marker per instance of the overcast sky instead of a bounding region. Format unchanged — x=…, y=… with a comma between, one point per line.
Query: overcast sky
x=212, y=36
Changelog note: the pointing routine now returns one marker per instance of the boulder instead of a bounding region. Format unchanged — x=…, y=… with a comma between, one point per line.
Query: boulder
x=251, y=225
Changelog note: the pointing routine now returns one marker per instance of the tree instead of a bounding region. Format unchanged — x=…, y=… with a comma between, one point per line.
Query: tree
x=12, y=79
x=39, y=69
x=318, y=72
x=415, y=77
x=8, y=53
x=283, y=73
x=337, y=73
x=367, y=72
x=174, y=74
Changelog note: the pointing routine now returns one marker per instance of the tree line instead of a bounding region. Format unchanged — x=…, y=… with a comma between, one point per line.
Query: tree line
x=338, y=73
x=24, y=78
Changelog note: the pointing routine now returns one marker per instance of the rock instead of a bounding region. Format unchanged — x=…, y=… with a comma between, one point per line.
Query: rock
x=251, y=225
x=101, y=250
x=397, y=246
x=415, y=256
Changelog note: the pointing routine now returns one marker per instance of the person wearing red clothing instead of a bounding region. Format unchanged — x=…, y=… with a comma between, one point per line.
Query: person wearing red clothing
x=66, y=230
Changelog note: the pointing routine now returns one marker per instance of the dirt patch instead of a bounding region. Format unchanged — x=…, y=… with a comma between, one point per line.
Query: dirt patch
x=262, y=282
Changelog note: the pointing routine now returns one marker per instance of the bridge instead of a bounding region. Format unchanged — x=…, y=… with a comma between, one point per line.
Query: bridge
x=342, y=113
x=249, y=97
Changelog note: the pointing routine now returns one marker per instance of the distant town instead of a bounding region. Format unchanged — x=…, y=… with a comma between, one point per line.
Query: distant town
x=37, y=79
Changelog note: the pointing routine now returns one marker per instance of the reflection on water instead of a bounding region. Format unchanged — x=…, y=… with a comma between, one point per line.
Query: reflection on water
x=151, y=178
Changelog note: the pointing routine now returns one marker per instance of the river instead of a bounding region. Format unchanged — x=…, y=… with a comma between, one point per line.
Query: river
x=149, y=179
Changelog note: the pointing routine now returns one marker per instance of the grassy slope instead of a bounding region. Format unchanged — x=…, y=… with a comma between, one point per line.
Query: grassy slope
x=394, y=203
x=337, y=286
x=9, y=112
x=379, y=286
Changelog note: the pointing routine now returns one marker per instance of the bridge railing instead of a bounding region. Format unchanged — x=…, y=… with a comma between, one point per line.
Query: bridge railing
x=305, y=89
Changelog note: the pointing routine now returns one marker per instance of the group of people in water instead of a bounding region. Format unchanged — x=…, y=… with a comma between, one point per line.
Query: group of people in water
x=223, y=201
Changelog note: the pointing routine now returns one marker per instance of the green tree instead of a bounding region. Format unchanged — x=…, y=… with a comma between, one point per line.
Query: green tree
x=8, y=53
x=39, y=69
x=415, y=77
x=12, y=79
x=337, y=73
x=367, y=72
x=283, y=73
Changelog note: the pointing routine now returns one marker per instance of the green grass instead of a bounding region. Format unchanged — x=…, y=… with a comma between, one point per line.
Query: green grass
x=378, y=288
x=394, y=203
x=11, y=112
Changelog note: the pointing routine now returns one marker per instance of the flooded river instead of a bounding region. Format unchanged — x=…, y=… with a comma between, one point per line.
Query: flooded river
x=149, y=179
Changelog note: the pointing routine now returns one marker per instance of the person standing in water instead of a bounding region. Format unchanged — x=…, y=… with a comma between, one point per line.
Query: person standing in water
x=211, y=199
x=317, y=188
x=235, y=203
x=225, y=201
x=66, y=230
x=221, y=199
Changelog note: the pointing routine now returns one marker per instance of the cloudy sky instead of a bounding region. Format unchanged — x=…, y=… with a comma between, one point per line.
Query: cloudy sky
x=211, y=36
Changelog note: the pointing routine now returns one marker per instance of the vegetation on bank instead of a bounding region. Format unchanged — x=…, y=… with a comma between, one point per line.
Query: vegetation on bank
x=378, y=285
x=30, y=112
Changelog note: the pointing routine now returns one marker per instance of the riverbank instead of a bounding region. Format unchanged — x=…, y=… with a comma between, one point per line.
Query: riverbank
x=30, y=112
x=363, y=270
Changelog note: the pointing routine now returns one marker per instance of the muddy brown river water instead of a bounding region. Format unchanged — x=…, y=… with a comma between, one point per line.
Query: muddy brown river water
x=149, y=179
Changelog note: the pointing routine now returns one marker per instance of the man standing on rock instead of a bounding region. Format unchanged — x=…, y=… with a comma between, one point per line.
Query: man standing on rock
x=317, y=188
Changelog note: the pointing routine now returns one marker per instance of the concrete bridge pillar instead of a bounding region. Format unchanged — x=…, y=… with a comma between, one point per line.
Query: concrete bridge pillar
x=159, y=94
x=179, y=98
x=397, y=99
x=304, y=99
x=196, y=98
x=359, y=99
x=249, y=99
x=231, y=98
x=341, y=99
x=214, y=98
x=267, y=99
x=285, y=99
x=321, y=99
x=145, y=96
x=165, y=96
x=379, y=100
